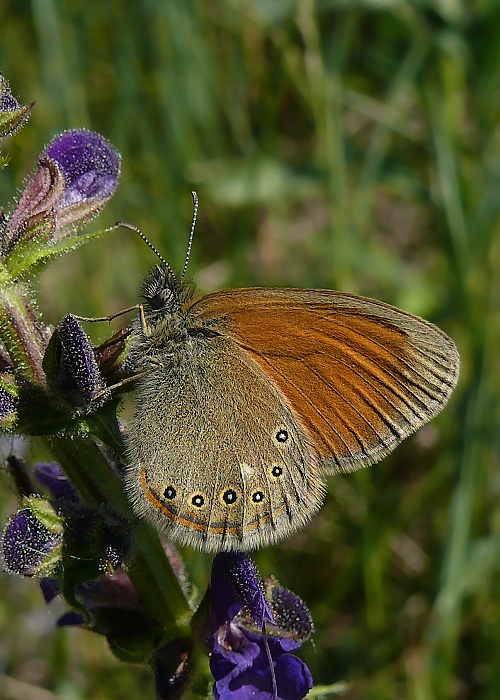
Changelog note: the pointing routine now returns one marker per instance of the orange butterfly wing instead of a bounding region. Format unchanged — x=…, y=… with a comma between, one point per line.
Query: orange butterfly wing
x=359, y=375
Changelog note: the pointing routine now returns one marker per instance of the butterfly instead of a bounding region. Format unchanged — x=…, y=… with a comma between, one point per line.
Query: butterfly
x=247, y=399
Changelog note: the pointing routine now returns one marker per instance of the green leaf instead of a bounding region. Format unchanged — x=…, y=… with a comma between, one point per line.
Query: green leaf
x=45, y=513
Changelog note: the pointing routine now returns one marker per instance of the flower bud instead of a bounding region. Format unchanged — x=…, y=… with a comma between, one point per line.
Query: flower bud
x=32, y=540
x=12, y=114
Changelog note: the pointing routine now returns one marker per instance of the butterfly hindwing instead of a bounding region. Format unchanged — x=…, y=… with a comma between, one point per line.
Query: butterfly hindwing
x=232, y=469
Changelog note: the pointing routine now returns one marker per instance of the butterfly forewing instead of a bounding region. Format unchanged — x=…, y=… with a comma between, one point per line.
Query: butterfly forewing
x=359, y=375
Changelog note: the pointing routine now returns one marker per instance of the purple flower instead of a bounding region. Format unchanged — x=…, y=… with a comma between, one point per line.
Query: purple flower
x=50, y=589
x=240, y=666
x=236, y=584
x=29, y=547
x=51, y=476
x=78, y=377
x=89, y=164
x=71, y=619
x=244, y=663
x=76, y=175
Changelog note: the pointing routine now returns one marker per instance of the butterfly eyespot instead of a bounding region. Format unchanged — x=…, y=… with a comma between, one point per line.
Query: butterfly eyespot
x=170, y=493
x=229, y=497
x=198, y=500
x=257, y=496
x=282, y=435
x=276, y=471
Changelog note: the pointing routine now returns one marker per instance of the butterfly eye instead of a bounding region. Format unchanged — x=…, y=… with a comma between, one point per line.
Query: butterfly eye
x=257, y=496
x=170, y=493
x=229, y=497
x=276, y=471
x=282, y=435
x=198, y=500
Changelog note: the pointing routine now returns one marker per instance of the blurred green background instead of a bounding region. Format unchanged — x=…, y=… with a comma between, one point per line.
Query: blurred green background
x=338, y=144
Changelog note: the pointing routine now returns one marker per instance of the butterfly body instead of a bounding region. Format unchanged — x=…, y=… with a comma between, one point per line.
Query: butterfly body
x=250, y=397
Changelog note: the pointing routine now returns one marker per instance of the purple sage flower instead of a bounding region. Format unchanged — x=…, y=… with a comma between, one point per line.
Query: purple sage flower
x=89, y=164
x=28, y=546
x=50, y=589
x=78, y=377
x=51, y=476
x=240, y=666
x=241, y=659
x=236, y=584
x=76, y=175
x=71, y=619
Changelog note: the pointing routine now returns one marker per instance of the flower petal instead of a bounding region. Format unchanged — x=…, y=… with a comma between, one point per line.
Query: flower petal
x=235, y=584
x=241, y=669
x=71, y=619
x=90, y=165
x=50, y=589
x=233, y=653
x=293, y=678
x=51, y=475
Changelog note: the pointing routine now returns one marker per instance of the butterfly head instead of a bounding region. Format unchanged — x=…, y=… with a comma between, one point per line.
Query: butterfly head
x=166, y=301
x=165, y=294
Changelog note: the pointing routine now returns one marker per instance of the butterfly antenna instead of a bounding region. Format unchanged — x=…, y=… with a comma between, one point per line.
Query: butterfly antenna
x=131, y=227
x=191, y=232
